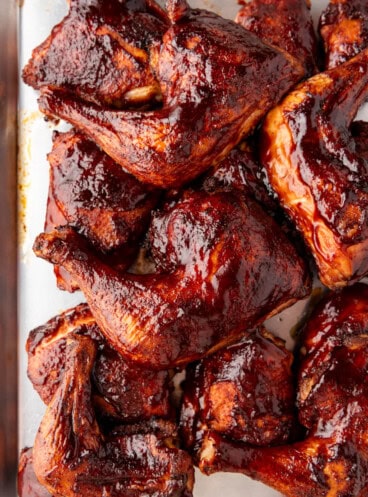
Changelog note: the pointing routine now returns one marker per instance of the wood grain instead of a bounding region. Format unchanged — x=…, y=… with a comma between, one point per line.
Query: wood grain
x=8, y=247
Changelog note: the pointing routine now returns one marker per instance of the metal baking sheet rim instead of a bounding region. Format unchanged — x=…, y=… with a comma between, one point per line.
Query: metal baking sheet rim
x=39, y=298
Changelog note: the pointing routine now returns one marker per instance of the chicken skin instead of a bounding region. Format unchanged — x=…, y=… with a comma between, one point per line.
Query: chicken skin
x=217, y=81
x=214, y=254
x=245, y=393
x=332, y=459
x=286, y=24
x=73, y=458
x=28, y=485
x=313, y=165
x=120, y=389
x=100, y=51
x=344, y=29
x=91, y=193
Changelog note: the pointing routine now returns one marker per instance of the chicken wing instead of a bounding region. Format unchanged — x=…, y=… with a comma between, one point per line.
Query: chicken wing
x=245, y=393
x=217, y=80
x=100, y=51
x=120, y=389
x=286, y=24
x=312, y=164
x=332, y=398
x=93, y=194
x=214, y=254
x=344, y=29
x=73, y=458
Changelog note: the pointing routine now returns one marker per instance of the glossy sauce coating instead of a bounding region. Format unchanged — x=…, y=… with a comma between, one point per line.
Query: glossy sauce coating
x=72, y=457
x=217, y=81
x=214, y=255
x=120, y=389
x=244, y=392
x=312, y=164
x=332, y=459
x=100, y=52
x=344, y=29
x=286, y=24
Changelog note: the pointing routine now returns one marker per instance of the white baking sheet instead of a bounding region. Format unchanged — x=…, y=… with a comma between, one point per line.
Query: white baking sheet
x=39, y=298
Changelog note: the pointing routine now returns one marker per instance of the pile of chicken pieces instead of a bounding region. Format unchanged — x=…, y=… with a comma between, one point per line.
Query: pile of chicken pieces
x=211, y=167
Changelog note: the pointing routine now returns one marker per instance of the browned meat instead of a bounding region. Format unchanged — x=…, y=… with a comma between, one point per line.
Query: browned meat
x=119, y=389
x=287, y=24
x=214, y=255
x=100, y=51
x=217, y=80
x=28, y=485
x=245, y=393
x=313, y=166
x=332, y=459
x=91, y=193
x=73, y=458
x=344, y=29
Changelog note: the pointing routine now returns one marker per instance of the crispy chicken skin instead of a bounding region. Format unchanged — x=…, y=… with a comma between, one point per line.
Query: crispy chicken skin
x=73, y=458
x=344, y=29
x=222, y=264
x=217, y=80
x=245, y=393
x=284, y=23
x=93, y=194
x=100, y=51
x=332, y=459
x=313, y=165
x=28, y=485
x=120, y=389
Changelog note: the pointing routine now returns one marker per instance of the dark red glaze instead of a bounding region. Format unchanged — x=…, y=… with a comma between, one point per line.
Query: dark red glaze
x=222, y=265
x=344, y=29
x=241, y=170
x=217, y=80
x=73, y=458
x=100, y=51
x=314, y=166
x=359, y=130
x=120, y=389
x=28, y=485
x=286, y=24
x=104, y=203
x=91, y=193
x=332, y=390
x=244, y=392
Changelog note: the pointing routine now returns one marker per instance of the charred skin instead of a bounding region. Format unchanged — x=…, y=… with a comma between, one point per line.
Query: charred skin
x=344, y=29
x=202, y=65
x=332, y=401
x=214, y=254
x=286, y=24
x=100, y=52
x=73, y=458
x=245, y=393
x=311, y=160
x=120, y=389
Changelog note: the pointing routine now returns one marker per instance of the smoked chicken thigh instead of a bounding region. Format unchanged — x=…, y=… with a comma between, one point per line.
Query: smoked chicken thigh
x=344, y=29
x=315, y=168
x=287, y=24
x=93, y=194
x=73, y=458
x=120, y=389
x=244, y=392
x=332, y=399
x=100, y=51
x=28, y=484
x=222, y=265
x=217, y=80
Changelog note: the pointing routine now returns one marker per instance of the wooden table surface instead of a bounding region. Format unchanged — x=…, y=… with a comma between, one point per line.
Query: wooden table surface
x=8, y=246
